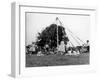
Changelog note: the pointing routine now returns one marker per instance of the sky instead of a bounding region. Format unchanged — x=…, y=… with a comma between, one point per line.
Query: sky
x=78, y=24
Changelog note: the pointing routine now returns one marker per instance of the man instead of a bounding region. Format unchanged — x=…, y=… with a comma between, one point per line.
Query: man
x=88, y=46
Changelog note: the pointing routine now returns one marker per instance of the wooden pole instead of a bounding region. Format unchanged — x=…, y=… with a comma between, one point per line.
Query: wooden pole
x=57, y=34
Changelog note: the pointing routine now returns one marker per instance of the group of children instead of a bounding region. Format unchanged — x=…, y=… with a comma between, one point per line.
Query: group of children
x=62, y=49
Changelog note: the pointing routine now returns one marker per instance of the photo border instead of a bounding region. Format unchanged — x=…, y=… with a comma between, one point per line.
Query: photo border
x=16, y=71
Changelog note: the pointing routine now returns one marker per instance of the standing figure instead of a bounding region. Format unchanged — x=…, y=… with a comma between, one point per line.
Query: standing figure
x=61, y=47
x=88, y=46
x=32, y=48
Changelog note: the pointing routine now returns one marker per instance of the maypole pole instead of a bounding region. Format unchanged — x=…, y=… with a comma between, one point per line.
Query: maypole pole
x=57, y=34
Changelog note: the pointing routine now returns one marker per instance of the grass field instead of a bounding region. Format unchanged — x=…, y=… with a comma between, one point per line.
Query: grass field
x=55, y=60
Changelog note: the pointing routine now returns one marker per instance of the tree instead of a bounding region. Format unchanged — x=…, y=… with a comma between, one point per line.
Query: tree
x=49, y=36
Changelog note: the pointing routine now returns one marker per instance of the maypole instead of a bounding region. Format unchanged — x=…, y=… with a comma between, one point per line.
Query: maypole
x=57, y=34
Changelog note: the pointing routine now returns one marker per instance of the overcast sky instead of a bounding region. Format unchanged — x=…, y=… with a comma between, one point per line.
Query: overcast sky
x=78, y=24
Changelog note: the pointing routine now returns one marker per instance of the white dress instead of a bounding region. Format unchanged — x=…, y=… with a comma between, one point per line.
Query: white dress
x=61, y=47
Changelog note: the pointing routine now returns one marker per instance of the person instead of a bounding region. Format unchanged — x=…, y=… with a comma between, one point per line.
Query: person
x=77, y=52
x=47, y=47
x=32, y=48
x=61, y=47
x=40, y=53
x=67, y=46
x=70, y=51
x=88, y=46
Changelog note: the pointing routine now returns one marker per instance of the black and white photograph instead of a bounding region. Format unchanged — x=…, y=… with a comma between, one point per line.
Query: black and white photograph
x=56, y=39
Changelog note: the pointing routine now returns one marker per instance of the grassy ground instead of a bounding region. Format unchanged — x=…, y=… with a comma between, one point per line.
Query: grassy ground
x=55, y=60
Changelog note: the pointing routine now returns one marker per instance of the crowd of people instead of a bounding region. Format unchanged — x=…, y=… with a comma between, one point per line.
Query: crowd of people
x=61, y=49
